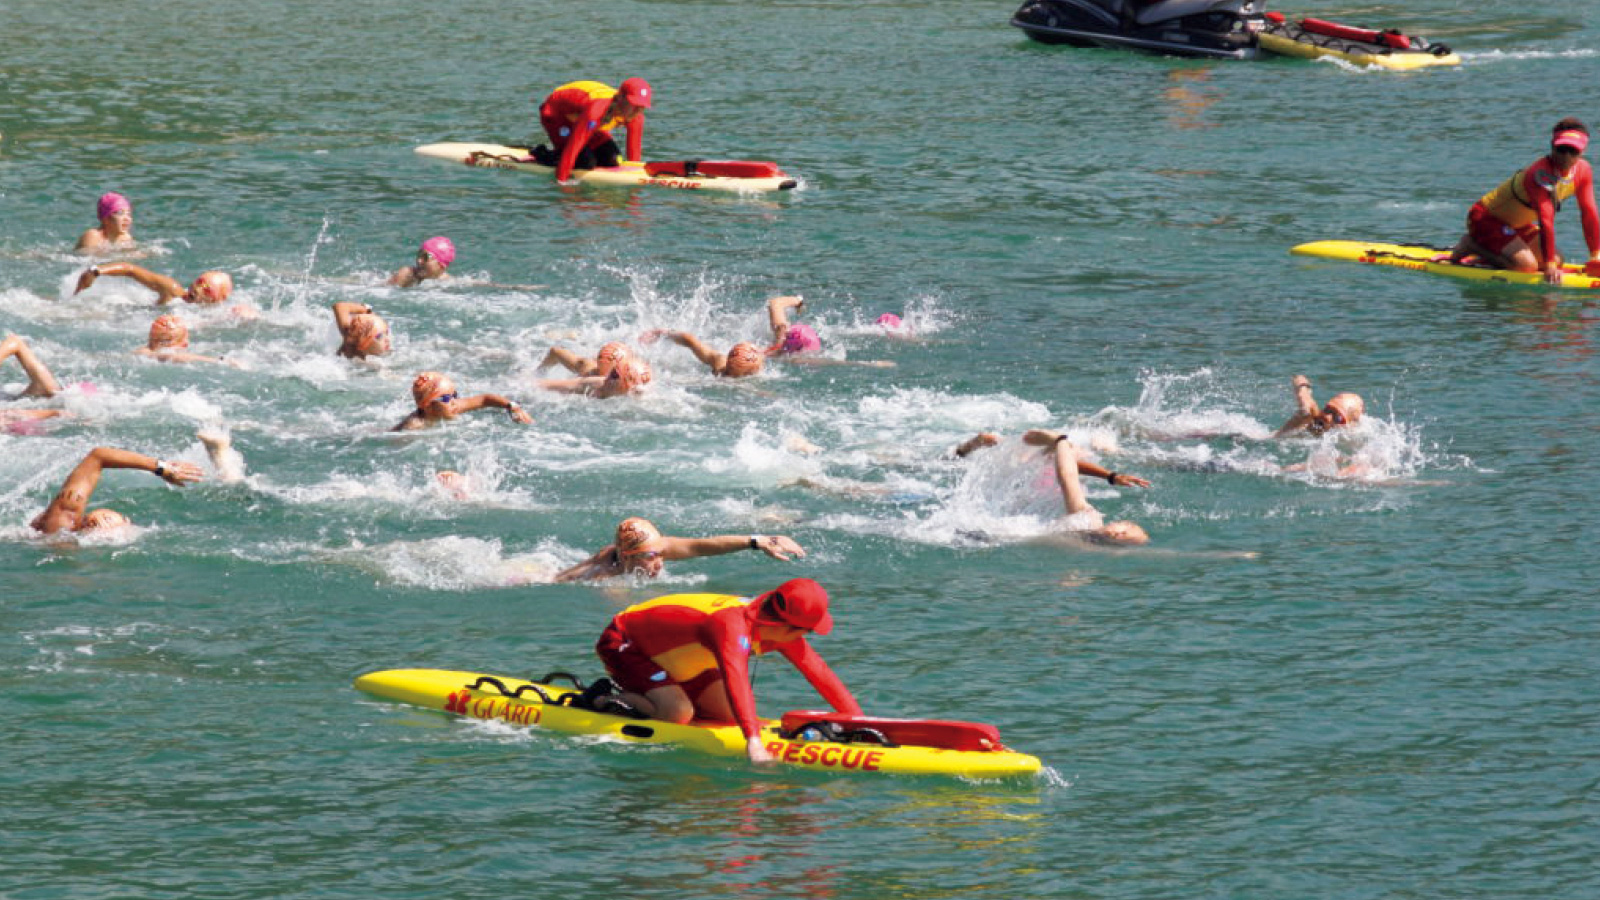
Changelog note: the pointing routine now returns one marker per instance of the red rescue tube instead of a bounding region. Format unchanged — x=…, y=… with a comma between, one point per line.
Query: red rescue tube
x=950, y=735
x=1392, y=39
x=724, y=168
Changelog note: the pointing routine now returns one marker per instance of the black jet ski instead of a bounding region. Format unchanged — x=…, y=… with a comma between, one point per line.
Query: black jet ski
x=1223, y=29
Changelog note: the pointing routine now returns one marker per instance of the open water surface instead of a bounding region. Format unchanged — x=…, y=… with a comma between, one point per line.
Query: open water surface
x=1306, y=686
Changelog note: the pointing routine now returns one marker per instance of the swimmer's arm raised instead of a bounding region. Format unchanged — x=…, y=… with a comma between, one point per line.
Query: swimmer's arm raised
x=976, y=442
x=684, y=339
x=777, y=314
x=776, y=546
x=1305, y=406
x=167, y=289
x=73, y=498
x=344, y=310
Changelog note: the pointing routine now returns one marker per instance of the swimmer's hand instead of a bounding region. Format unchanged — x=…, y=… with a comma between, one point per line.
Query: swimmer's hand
x=779, y=547
x=757, y=752
x=653, y=335
x=86, y=280
x=1123, y=479
x=178, y=473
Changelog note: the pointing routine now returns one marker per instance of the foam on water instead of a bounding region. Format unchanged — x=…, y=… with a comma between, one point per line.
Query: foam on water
x=1494, y=57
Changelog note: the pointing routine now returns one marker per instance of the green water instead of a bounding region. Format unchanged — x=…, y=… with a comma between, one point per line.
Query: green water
x=1305, y=687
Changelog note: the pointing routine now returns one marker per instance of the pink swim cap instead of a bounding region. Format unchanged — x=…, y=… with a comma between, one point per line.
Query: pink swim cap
x=112, y=203
x=801, y=339
x=440, y=248
x=891, y=322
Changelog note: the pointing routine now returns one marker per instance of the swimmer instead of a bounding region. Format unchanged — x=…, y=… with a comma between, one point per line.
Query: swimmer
x=169, y=342
x=209, y=287
x=433, y=258
x=40, y=382
x=1341, y=410
x=601, y=365
x=115, y=231
x=438, y=401
x=741, y=361
x=1069, y=466
x=640, y=547
x=626, y=376
x=362, y=333
x=798, y=342
x=687, y=656
x=1514, y=226
x=69, y=510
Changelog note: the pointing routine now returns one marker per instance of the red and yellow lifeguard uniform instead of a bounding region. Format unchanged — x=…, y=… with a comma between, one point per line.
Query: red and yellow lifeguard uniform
x=696, y=640
x=1525, y=206
x=578, y=116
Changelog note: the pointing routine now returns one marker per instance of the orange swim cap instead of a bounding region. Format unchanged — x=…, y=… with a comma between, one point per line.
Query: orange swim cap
x=610, y=355
x=429, y=386
x=1350, y=406
x=631, y=374
x=744, y=359
x=367, y=332
x=211, y=287
x=636, y=535
x=168, y=332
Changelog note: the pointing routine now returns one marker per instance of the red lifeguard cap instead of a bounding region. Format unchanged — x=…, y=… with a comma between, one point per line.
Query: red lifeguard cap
x=637, y=91
x=1573, y=138
x=800, y=602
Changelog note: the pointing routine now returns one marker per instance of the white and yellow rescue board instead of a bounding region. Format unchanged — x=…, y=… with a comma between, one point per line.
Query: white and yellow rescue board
x=628, y=174
x=1430, y=260
x=543, y=705
x=1397, y=60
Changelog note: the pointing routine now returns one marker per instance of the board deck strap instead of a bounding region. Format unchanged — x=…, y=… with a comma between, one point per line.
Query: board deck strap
x=1428, y=259
x=736, y=176
x=545, y=705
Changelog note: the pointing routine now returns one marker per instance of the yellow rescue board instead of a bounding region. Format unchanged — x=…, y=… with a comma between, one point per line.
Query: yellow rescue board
x=628, y=174
x=1426, y=259
x=1398, y=60
x=539, y=704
